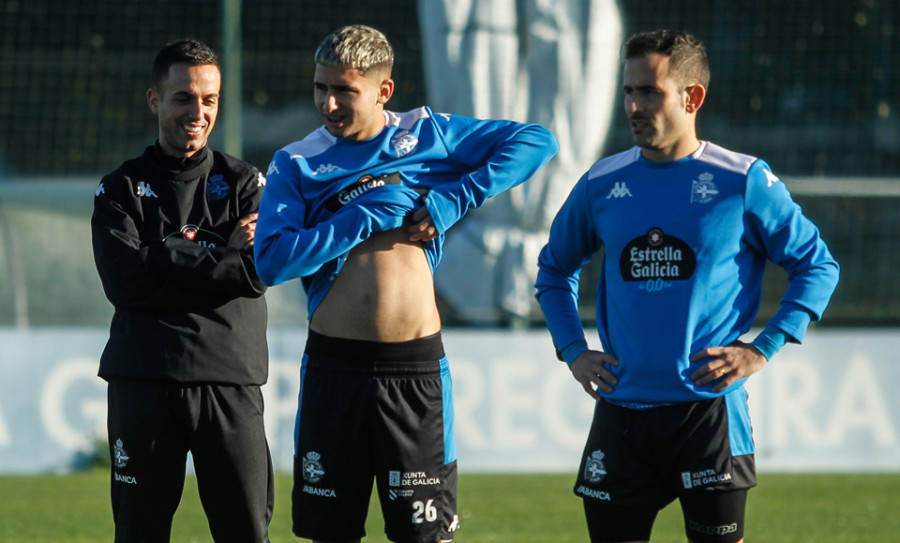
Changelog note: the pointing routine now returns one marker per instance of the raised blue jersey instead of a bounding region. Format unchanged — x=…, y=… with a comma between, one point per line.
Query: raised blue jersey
x=325, y=195
x=685, y=247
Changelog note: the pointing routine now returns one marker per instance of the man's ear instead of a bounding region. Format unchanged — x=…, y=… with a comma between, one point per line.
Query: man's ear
x=153, y=100
x=694, y=97
x=385, y=91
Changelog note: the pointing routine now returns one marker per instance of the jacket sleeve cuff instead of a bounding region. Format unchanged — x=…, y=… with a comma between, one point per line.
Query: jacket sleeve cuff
x=573, y=351
x=770, y=340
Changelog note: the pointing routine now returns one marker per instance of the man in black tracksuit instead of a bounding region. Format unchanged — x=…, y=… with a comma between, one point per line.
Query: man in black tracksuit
x=173, y=238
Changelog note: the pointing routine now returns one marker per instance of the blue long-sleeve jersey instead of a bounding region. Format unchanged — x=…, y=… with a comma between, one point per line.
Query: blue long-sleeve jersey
x=325, y=195
x=686, y=244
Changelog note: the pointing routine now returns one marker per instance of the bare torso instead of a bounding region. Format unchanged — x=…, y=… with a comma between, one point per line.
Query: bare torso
x=384, y=292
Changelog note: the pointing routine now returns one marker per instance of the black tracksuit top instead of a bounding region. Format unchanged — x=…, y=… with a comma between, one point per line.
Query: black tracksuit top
x=188, y=308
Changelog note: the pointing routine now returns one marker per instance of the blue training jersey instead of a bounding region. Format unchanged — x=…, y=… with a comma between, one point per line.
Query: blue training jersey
x=685, y=247
x=325, y=195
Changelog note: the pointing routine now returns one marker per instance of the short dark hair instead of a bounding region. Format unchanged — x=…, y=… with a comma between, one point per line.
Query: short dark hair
x=356, y=46
x=190, y=52
x=687, y=56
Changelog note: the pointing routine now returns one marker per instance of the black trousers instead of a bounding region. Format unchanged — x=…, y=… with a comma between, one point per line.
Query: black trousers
x=154, y=424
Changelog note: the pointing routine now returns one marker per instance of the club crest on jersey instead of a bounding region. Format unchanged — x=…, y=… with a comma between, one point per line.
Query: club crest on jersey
x=656, y=259
x=217, y=188
x=594, y=468
x=703, y=190
x=404, y=143
x=313, y=471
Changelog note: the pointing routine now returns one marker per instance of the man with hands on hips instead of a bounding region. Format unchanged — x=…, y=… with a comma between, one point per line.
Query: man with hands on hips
x=686, y=227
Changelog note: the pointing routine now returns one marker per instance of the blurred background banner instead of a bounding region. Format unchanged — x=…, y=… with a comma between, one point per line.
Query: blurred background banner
x=808, y=85
x=811, y=86
x=828, y=405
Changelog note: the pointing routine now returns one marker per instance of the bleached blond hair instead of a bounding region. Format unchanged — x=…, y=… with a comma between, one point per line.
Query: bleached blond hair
x=357, y=46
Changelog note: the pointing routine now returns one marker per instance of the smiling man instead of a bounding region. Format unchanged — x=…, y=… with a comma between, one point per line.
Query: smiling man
x=173, y=234
x=357, y=211
x=686, y=227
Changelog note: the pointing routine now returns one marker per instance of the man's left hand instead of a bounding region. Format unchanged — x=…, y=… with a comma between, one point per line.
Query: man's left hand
x=727, y=364
x=422, y=228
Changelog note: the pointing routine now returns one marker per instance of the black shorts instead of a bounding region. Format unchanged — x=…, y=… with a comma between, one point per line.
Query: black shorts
x=153, y=424
x=636, y=461
x=375, y=411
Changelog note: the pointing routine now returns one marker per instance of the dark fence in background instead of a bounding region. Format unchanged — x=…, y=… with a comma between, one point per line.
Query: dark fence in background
x=808, y=85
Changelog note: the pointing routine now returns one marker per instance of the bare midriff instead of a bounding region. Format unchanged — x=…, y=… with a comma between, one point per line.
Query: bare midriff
x=384, y=292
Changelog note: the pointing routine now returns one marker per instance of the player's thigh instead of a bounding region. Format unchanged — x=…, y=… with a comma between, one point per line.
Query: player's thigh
x=232, y=461
x=147, y=456
x=416, y=458
x=333, y=473
x=609, y=523
x=714, y=517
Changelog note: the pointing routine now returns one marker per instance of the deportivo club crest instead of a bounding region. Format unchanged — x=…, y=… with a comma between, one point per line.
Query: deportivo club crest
x=120, y=457
x=217, y=188
x=703, y=190
x=312, y=468
x=404, y=143
x=594, y=469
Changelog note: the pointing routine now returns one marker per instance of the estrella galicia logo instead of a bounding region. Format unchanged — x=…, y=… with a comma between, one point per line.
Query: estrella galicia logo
x=363, y=184
x=312, y=468
x=404, y=143
x=217, y=188
x=656, y=260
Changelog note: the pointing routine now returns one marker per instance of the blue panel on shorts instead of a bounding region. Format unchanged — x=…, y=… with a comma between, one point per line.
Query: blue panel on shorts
x=448, y=413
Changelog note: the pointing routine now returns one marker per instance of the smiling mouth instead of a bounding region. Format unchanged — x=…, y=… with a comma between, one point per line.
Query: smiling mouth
x=193, y=131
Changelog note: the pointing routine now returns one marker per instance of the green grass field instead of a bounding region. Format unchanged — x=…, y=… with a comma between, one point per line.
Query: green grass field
x=807, y=508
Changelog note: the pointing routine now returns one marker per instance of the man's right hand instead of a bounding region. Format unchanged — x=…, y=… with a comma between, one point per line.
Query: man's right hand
x=244, y=232
x=591, y=369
